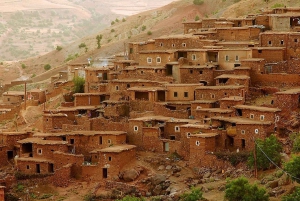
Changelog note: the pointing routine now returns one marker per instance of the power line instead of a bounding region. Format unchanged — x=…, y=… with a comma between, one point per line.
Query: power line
x=275, y=163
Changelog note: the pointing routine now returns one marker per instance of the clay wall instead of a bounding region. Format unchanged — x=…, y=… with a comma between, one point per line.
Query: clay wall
x=191, y=75
x=180, y=92
x=84, y=100
x=257, y=115
x=135, y=133
x=270, y=55
x=228, y=104
x=10, y=140
x=95, y=87
x=203, y=114
x=102, y=124
x=276, y=80
x=151, y=139
x=191, y=27
x=163, y=111
x=142, y=106
x=165, y=57
x=228, y=58
x=29, y=167
x=178, y=43
x=216, y=94
x=54, y=123
x=46, y=151
x=238, y=34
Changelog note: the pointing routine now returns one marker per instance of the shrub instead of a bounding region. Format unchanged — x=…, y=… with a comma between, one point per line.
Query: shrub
x=58, y=48
x=271, y=147
x=293, y=196
x=131, y=198
x=293, y=167
x=78, y=84
x=123, y=20
x=23, y=66
x=117, y=20
x=194, y=195
x=240, y=190
x=82, y=45
x=112, y=22
x=144, y=28
x=112, y=30
x=149, y=33
x=47, y=67
x=99, y=38
x=197, y=18
x=198, y=2
x=278, y=5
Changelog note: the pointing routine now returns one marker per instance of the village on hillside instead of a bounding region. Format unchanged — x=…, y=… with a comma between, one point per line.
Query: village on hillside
x=218, y=87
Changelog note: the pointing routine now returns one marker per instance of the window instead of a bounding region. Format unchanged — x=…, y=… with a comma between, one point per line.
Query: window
x=201, y=96
x=135, y=128
x=296, y=40
x=243, y=132
x=172, y=137
x=72, y=141
x=28, y=167
x=256, y=131
x=191, y=71
x=226, y=58
x=149, y=60
x=262, y=117
x=173, y=45
x=142, y=72
x=8, y=99
x=236, y=58
x=175, y=94
x=117, y=88
x=198, y=143
x=158, y=59
x=109, y=158
x=186, y=94
x=100, y=140
x=281, y=42
x=128, y=85
x=39, y=151
x=259, y=51
x=277, y=118
x=270, y=42
x=251, y=116
x=95, y=156
x=183, y=44
x=188, y=135
x=201, y=72
x=161, y=44
x=131, y=50
x=177, y=129
x=193, y=57
x=109, y=141
x=213, y=96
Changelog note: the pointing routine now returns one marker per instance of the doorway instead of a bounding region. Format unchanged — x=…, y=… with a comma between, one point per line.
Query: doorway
x=166, y=146
x=38, y=168
x=104, y=172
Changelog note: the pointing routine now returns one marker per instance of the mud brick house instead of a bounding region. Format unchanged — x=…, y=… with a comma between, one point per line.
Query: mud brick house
x=240, y=133
x=107, y=163
x=270, y=54
x=201, y=147
x=197, y=74
x=218, y=92
x=13, y=97
x=135, y=47
x=177, y=42
x=89, y=99
x=230, y=58
x=157, y=57
x=204, y=113
x=151, y=94
x=9, y=142
x=191, y=27
x=231, y=79
x=94, y=77
x=181, y=92
x=115, y=109
x=231, y=101
x=37, y=95
x=121, y=64
x=54, y=122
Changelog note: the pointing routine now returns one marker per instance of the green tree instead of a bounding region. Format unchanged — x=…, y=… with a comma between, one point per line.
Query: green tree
x=78, y=84
x=82, y=45
x=123, y=20
x=58, y=48
x=194, y=195
x=198, y=2
x=295, y=137
x=144, y=28
x=293, y=196
x=131, y=198
x=240, y=190
x=99, y=38
x=271, y=147
x=117, y=20
x=149, y=33
x=112, y=30
x=112, y=22
x=293, y=167
x=197, y=18
x=47, y=67
x=23, y=66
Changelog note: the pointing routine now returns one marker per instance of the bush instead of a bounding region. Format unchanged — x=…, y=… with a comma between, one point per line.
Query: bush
x=197, y=18
x=194, y=195
x=272, y=148
x=78, y=84
x=112, y=30
x=131, y=198
x=47, y=67
x=144, y=28
x=58, y=48
x=82, y=45
x=293, y=196
x=233, y=157
x=149, y=33
x=123, y=20
x=278, y=5
x=198, y=2
x=295, y=137
x=23, y=66
x=240, y=190
x=293, y=167
x=112, y=22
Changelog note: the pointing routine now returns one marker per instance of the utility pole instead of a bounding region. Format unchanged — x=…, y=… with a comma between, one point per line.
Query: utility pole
x=255, y=165
x=25, y=97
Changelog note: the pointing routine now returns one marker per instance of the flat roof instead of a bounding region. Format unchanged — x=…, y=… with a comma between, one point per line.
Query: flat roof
x=257, y=108
x=115, y=149
x=156, y=51
x=146, y=89
x=143, y=67
x=233, y=76
x=216, y=110
x=14, y=93
x=163, y=118
x=290, y=91
x=221, y=87
x=232, y=98
x=205, y=126
x=205, y=135
x=85, y=133
x=41, y=141
x=89, y=94
x=241, y=121
x=14, y=133
x=204, y=101
x=178, y=36
x=31, y=159
x=197, y=66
